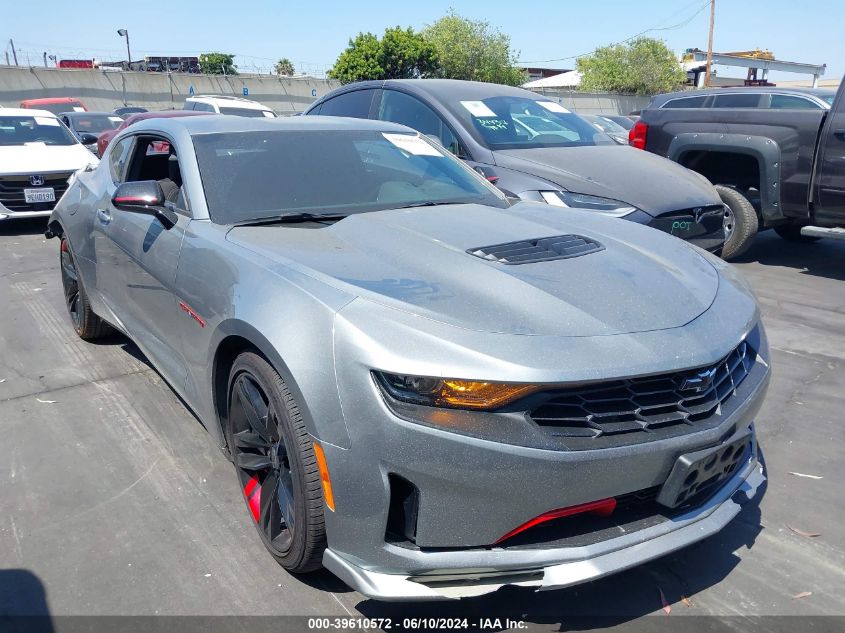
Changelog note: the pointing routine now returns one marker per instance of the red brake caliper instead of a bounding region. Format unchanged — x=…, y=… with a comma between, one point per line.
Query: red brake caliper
x=252, y=491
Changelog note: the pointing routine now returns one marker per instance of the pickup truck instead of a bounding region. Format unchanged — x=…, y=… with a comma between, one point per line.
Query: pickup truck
x=775, y=166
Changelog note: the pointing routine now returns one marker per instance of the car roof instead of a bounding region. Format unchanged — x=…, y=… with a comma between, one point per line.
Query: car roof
x=215, y=123
x=162, y=114
x=88, y=113
x=813, y=92
x=449, y=90
x=30, y=112
x=246, y=103
x=51, y=100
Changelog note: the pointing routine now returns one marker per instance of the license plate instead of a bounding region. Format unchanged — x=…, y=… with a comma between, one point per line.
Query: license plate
x=702, y=471
x=34, y=196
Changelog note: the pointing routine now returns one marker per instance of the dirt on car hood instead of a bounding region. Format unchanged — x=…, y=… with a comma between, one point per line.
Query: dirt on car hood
x=417, y=261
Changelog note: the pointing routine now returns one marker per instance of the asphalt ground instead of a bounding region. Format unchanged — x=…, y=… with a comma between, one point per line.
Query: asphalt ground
x=115, y=501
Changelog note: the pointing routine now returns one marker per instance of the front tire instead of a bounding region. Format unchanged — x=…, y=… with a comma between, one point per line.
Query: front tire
x=87, y=324
x=273, y=453
x=741, y=222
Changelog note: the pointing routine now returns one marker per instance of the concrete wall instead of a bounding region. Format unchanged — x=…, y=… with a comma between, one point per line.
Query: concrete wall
x=101, y=90
x=596, y=102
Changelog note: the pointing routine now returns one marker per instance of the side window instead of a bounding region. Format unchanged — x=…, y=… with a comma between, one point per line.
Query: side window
x=686, y=102
x=118, y=158
x=793, y=103
x=398, y=107
x=189, y=105
x=203, y=107
x=354, y=104
x=154, y=158
x=737, y=101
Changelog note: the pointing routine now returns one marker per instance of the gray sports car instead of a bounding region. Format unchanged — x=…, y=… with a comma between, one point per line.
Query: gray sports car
x=427, y=390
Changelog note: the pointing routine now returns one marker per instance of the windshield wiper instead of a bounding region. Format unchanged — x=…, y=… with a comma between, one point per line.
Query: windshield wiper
x=430, y=204
x=292, y=218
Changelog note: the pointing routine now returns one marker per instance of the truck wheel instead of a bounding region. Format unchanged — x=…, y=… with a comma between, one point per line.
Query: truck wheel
x=792, y=233
x=740, y=222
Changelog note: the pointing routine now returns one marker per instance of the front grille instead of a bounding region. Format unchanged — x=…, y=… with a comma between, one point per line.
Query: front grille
x=537, y=250
x=11, y=191
x=634, y=410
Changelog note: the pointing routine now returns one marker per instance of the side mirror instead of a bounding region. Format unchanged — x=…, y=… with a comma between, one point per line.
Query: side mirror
x=87, y=139
x=145, y=197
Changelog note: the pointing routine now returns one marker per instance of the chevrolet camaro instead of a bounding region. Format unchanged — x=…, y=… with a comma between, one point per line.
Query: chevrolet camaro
x=424, y=387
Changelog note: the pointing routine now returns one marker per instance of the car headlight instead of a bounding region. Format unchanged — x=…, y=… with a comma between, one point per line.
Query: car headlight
x=451, y=392
x=607, y=206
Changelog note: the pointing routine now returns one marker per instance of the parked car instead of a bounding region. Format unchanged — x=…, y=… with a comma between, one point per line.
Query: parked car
x=224, y=104
x=775, y=155
x=611, y=128
x=37, y=157
x=56, y=105
x=624, y=121
x=90, y=124
x=534, y=149
x=124, y=111
x=106, y=137
x=393, y=355
x=756, y=97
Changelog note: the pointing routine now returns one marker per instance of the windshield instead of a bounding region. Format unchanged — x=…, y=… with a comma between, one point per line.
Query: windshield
x=829, y=98
x=524, y=122
x=606, y=125
x=248, y=112
x=252, y=175
x=95, y=123
x=21, y=130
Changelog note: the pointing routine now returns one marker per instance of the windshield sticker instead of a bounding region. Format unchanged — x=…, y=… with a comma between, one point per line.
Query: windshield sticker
x=269, y=115
x=493, y=124
x=45, y=120
x=78, y=109
x=478, y=108
x=116, y=119
x=411, y=144
x=553, y=106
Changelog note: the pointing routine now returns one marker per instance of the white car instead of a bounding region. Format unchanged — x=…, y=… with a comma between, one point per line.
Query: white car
x=223, y=104
x=38, y=155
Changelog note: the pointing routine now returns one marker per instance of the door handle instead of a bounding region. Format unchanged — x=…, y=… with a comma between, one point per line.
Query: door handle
x=103, y=216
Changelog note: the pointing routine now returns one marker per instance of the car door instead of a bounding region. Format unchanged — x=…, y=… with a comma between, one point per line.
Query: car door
x=830, y=167
x=138, y=258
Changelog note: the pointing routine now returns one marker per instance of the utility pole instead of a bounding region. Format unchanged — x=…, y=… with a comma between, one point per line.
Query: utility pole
x=14, y=52
x=125, y=33
x=707, y=73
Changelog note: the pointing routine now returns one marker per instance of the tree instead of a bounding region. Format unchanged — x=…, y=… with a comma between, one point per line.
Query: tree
x=472, y=49
x=284, y=67
x=218, y=64
x=399, y=54
x=645, y=66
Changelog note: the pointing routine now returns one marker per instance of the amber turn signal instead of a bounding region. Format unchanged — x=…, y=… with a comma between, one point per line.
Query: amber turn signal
x=453, y=392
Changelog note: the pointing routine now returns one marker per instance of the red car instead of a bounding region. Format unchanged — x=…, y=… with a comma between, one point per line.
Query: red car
x=56, y=105
x=106, y=137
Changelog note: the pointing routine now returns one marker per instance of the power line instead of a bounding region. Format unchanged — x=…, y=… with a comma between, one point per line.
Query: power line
x=628, y=39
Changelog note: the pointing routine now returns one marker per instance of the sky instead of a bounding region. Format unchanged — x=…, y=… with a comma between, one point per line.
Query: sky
x=548, y=33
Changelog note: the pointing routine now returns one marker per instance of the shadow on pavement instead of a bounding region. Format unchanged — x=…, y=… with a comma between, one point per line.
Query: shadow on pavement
x=609, y=601
x=824, y=258
x=27, y=226
x=23, y=603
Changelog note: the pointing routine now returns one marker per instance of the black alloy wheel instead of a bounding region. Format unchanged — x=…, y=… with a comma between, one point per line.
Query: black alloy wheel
x=276, y=466
x=86, y=323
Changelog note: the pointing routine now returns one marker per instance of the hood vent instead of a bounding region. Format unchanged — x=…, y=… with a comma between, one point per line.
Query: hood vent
x=542, y=249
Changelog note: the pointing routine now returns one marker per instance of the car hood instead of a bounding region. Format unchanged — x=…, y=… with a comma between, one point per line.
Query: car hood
x=416, y=260
x=647, y=181
x=37, y=158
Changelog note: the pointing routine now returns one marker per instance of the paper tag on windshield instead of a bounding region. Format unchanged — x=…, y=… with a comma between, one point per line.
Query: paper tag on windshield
x=78, y=109
x=116, y=119
x=411, y=144
x=478, y=108
x=46, y=120
x=553, y=106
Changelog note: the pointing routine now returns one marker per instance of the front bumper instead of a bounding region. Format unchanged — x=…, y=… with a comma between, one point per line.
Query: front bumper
x=702, y=226
x=571, y=566
x=6, y=214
